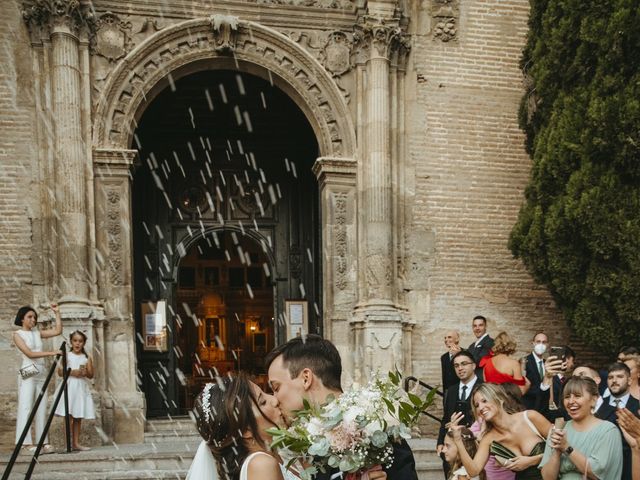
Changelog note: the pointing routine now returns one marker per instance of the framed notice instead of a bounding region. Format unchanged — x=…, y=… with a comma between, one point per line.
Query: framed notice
x=154, y=326
x=297, y=316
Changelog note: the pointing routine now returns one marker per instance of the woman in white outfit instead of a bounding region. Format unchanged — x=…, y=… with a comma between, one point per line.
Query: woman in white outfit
x=232, y=416
x=29, y=341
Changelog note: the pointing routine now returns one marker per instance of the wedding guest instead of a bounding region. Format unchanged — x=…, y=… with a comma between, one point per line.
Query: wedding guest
x=452, y=343
x=482, y=345
x=29, y=341
x=618, y=381
x=534, y=370
x=633, y=362
x=498, y=367
x=557, y=371
x=452, y=455
x=517, y=439
x=630, y=426
x=587, y=446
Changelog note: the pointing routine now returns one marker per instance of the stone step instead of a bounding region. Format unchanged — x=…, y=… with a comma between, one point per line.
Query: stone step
x=179, y=424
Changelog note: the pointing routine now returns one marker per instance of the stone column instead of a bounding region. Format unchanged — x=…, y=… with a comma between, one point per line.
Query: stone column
x=63, y=22
x=378, y=321
x=123, y=403
x=338, y=199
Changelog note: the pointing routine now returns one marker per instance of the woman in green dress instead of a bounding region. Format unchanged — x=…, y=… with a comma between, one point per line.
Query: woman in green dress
x=515, y=439
x=587, y=447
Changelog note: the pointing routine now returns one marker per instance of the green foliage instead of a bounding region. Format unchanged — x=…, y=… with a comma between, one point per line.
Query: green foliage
x=578, y=232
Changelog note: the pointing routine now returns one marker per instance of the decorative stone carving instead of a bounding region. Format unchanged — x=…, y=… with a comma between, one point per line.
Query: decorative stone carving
x=41, y=16
x=336, y=4
x=388, y=39
x=194, y=40
x=445, y=15
x=336, y=54
x=378, y=272
x=114, y=236
x=295, y=262
x=225, y=28
x=340, y=232
x=112, y=39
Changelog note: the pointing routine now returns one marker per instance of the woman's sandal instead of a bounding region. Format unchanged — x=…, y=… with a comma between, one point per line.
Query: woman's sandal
x=47, y=449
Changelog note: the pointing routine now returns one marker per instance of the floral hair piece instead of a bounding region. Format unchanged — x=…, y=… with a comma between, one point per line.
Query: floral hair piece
x=206, y=401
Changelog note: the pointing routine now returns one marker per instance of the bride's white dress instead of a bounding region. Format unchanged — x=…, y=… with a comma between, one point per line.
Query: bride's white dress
x=286, y=474
x=204, y=466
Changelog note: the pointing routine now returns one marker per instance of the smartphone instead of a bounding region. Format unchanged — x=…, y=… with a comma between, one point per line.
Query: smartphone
x=557, y=352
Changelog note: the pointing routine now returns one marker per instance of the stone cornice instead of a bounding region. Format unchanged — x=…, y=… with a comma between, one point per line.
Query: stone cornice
x=44, y=16
x=275, y=16
x=326, y=168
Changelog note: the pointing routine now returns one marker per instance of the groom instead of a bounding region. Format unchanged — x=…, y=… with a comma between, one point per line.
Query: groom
x=310, y=368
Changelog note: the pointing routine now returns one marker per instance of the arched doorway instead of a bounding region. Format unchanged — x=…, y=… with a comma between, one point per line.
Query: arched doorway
x=225, y=228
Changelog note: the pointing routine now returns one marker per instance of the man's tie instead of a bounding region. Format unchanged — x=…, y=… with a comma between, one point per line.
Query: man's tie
x=617, y=402
x=463, y=395
x=540, y=369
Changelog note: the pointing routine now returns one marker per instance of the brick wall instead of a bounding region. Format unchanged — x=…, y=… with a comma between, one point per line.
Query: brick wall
x=470, y=168
x=18, y=169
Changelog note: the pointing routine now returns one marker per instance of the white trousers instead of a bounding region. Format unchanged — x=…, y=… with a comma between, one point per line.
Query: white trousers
x=29, y=390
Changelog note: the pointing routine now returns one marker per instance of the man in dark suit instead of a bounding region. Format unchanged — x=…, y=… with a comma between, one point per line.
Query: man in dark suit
x=557, y=371
x=535, y=371
x=311, y=369
x=452, y=342
x=458, y=397
x=481, y=347
x=618, y=381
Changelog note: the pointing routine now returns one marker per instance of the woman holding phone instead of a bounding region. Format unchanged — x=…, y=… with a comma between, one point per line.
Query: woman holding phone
x=516, y=440
x=587, y=447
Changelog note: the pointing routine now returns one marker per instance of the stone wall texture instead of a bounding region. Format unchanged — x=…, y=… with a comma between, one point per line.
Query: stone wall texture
x=18, y=182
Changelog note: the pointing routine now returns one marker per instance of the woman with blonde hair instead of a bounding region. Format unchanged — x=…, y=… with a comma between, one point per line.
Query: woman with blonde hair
x=498, y=367
x=516, y=439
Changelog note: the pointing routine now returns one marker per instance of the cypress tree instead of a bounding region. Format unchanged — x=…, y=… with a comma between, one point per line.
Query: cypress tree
x=578, y=231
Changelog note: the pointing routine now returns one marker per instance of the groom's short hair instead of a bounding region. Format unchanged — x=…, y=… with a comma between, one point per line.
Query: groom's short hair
x=313, y=352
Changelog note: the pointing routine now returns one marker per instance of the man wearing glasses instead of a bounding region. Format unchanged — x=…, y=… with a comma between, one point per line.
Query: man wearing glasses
x=457, y=398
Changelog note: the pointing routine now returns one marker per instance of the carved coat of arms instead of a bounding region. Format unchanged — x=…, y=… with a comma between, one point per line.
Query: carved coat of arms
x=112, y=40
x=337, y=54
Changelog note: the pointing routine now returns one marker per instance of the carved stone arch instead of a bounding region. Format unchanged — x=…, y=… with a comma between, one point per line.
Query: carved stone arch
x=193, y=45
x=188, y=241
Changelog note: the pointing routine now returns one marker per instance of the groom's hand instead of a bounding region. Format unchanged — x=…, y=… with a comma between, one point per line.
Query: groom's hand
x=376, y=473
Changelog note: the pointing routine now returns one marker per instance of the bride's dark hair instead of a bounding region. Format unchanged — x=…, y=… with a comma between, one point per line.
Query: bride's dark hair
x=224, y=413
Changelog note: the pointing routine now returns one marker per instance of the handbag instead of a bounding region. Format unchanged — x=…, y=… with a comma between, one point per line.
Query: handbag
x=29, y=371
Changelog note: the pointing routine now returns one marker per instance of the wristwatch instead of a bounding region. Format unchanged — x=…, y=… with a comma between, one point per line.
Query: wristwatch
x=569, y=450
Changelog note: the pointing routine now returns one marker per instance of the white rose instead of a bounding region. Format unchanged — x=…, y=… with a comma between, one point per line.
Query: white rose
x=314, y=427
x=372, y=427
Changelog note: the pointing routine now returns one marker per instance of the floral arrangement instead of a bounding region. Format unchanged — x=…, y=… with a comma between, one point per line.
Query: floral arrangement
x=353, y=432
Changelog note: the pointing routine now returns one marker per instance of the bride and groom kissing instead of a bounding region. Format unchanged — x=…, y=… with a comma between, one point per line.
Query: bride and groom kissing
x=234, y=414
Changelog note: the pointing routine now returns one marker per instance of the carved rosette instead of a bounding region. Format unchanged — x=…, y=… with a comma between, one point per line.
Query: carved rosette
x=114, y=236
x=445, y=16
x=340, y=234
x=42, y=16
x=224, y=28
x=112, y=39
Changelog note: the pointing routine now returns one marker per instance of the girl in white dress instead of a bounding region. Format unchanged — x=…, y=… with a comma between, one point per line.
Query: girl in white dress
x=452, y=455
x=29, y=341
x=78, y=387
x=232, y=416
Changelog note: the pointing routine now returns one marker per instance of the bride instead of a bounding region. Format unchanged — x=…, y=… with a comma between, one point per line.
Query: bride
x=232, y=417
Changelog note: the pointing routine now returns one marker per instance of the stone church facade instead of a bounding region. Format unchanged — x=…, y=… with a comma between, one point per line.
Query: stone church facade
x=418, y=175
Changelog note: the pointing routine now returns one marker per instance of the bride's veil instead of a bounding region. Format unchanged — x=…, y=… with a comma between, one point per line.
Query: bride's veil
x=204, y=466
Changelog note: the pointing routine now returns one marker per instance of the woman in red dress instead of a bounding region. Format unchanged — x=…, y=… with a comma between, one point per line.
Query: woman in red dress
x=499, y=367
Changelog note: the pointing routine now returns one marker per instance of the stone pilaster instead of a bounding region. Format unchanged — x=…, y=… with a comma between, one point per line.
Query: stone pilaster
x=123, y=408
x=338, y=199
x=378, y=323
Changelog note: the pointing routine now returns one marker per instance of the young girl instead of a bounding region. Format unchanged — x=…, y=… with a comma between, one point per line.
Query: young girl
x=80, y=401
x=452, y=456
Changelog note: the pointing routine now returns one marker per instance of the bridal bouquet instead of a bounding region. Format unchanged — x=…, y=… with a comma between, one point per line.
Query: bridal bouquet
x=353, y=432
